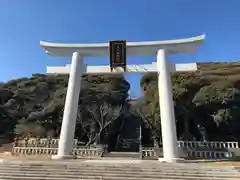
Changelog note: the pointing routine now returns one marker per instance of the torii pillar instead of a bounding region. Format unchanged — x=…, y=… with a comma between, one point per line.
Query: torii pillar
x=163, y=67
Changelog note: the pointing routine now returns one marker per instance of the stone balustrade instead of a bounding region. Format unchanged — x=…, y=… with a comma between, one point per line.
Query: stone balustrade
x=148, y=152
x=24, y=151
x=43, y=142
x=48, y=146
x=209, y=150
x=151, y=152
x=79, y=152
x=88, y=152
x=209, y=155
x=208, y=144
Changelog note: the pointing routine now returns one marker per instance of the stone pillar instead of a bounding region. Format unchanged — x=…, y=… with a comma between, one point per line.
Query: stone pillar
x=168, y=125
x=65, y=145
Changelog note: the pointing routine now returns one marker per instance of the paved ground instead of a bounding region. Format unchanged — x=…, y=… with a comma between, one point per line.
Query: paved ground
x=226, y=163
x=47, y=159
x=7, y=157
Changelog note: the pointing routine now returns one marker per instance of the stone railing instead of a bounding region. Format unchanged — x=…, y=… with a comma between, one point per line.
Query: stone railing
x=24, y=151
x=89, y=152
x=39, y=151
x=209, y=155
x=194, y=149
x=198, y=149
x=208, y=144
x=37, y=142
x=49, y=146
x=148, y=152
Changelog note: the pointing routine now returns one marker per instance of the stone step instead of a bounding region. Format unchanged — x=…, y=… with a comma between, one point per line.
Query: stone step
x=131, y=168
x=115, y=164
x=123, y=170
x=119, y=167
x=109, y=162
x=145, y=171
x=117, y=173
x=109, y=176
x=113, y=170
x=88, y=178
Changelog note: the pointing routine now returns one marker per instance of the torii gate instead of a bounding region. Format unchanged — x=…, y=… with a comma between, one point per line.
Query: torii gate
x=162, y=66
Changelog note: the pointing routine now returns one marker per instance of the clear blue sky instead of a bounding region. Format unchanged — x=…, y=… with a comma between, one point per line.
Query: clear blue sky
x=25, y=22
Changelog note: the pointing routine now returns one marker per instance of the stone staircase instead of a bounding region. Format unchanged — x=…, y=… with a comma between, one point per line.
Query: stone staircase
x=129, y=137
x=112, y=170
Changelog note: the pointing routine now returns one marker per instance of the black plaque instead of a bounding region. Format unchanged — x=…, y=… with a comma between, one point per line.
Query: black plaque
x=117, y=54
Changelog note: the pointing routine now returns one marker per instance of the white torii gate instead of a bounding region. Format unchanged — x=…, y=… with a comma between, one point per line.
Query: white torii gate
x=162, y=66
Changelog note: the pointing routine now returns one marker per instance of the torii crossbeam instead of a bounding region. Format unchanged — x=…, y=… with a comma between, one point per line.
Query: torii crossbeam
x=136, y=68
x=162, y=66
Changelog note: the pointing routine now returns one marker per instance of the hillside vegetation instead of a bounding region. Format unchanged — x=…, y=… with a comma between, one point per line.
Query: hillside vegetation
x=207, y=102
x=35, y=105
x=207, y=105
